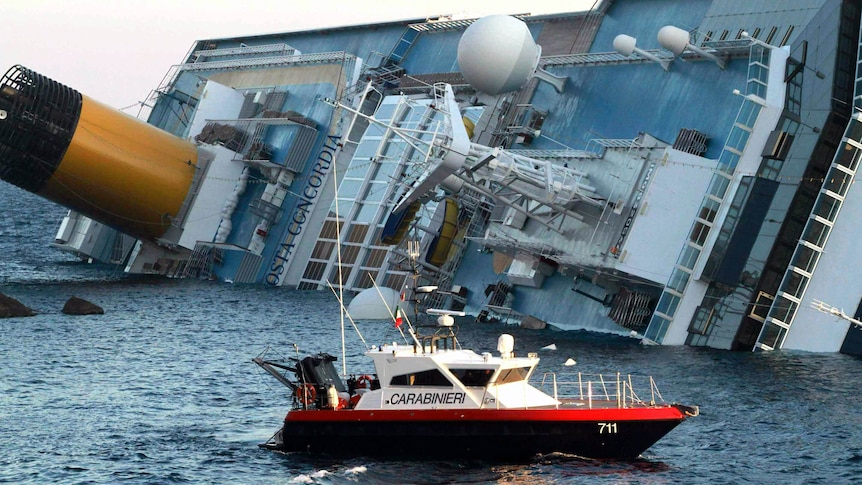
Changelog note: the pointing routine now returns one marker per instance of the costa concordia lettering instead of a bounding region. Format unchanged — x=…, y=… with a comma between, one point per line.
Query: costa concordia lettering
x=300, y=214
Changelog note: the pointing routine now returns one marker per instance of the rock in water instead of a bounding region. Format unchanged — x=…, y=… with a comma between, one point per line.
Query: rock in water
x=78, y=306
x=533, y=323
x=10, y=308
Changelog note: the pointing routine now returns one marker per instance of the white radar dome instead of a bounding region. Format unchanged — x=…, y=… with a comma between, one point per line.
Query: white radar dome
x=368, y=304
x=505, y=345
x=497, y=54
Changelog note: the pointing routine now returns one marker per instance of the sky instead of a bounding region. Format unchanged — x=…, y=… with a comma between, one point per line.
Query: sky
x=117, y=51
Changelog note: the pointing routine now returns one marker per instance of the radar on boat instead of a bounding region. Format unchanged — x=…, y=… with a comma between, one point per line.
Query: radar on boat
x=445, y=320
x=437, y=311
x=506, y=345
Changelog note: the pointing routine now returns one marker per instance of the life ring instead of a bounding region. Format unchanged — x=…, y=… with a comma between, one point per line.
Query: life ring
x=306, y=393
x=364, y=382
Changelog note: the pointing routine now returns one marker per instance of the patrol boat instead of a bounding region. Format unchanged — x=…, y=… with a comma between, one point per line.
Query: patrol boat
x=448, y=401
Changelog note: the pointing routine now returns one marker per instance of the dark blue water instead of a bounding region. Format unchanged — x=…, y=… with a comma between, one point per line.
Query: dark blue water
x=161, y=388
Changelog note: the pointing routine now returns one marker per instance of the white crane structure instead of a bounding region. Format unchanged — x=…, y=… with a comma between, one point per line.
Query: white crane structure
x=545, y=191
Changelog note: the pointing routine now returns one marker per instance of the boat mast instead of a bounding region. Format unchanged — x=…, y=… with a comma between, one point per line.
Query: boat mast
x=413, y=251
x=341, y=310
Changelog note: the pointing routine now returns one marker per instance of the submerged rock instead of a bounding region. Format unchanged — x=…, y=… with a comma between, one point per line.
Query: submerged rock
x=533, y=323
x=78, y=306
x=10, y=308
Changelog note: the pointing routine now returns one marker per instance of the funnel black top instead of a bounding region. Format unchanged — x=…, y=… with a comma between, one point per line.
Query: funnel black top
x=38, y=117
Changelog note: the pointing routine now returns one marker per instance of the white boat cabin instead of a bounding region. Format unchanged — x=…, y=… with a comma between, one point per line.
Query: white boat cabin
x=434, y=373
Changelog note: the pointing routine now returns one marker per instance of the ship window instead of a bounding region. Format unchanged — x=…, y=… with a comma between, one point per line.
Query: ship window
x=328, y=230
x=349, y=253
x=375, y=258
x=699, y=233
x=395, y=280
x=849, y=157
x=349, y=188
x=708, y=210
x=336, y=276
x=760, y=308
x=837, y=181
x=322, y=250
x=366, y=278
x=513, y=375
x=364, y=152
x=432, y=378
x=385, y=112
x=314, y=270
x=357, y=233
x=473, y=377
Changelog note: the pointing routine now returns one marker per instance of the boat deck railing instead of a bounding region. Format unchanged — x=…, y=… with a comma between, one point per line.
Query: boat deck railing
x=602, y=390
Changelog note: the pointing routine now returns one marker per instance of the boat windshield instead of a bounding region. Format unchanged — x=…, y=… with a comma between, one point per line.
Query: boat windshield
x=513, y=375
x=431, y=377
x=473, y=377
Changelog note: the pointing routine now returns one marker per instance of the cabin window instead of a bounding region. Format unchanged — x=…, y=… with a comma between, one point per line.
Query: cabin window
x=473, y=377
x=431, y=378
x=513, y=375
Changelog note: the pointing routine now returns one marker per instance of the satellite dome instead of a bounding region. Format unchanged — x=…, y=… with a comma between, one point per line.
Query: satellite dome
x=497, y=54
x=371, y=304
x=673, y=39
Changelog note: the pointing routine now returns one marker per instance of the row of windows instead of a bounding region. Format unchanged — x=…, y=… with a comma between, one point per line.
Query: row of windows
x=324, y=250
x=735, y=145
x=379, y=159
x=808, y=249
x=468, y=377
x=770, y=36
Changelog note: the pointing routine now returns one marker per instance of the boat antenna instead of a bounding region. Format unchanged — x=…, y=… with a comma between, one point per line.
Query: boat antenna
x=345, y=312
x=413, y=251
x=340, y=294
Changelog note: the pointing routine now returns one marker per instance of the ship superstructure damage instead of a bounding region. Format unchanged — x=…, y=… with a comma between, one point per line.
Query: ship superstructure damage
x=685, y=177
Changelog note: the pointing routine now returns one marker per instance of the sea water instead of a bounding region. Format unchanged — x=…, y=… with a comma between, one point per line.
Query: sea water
x=161, y=388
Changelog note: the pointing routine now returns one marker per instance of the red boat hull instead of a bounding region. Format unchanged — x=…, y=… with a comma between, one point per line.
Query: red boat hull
x=512, y=433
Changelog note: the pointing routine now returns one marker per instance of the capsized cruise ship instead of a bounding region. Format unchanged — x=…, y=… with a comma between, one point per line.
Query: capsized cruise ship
x=681, y=171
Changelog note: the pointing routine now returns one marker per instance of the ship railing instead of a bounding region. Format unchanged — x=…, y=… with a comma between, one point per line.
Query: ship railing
x=602, y=390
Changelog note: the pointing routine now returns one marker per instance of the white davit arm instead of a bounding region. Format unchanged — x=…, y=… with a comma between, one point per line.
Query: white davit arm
x=826, y=308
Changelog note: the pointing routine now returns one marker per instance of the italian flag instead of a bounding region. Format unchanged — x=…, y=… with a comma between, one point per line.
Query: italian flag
x=399, y=317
